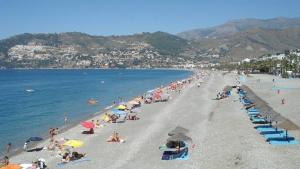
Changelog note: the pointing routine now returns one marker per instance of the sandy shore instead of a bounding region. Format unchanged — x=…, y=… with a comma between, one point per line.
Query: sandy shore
x=223, y=135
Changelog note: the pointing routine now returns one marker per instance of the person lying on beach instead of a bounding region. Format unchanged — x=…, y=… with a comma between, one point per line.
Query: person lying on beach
x=76, y=156
x=66, y=158
x=113, y=118
x=91, y=131
x=115, y=138
x=132, y=117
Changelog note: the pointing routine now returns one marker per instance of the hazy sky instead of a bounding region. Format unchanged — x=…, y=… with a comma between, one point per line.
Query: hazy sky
x=107, y=17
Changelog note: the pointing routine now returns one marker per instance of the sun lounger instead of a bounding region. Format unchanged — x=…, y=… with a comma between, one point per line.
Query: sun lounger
x=253, y=110
x=253, y=113
x=259, y=121
x=285, y=142
x=171, y=155
x=278, y=134
x=282, y=138
x=265, y=128
x=271, y=132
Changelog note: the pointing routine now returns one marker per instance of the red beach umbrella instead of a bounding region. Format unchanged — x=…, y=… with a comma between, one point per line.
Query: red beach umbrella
x=87, y=124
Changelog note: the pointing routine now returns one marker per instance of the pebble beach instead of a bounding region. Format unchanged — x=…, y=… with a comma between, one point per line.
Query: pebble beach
x=222, y=134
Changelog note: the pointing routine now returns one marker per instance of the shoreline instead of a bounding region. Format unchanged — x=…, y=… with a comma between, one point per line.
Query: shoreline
x=63, y=129
x=183, y=69
x=222, y=134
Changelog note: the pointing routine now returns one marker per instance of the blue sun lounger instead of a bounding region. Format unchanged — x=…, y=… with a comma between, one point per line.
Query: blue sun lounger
x=275, y=134
x=253, y=110
x=283, y=141
x=262, y=128
x=259, y=120
x=172, y=155
x=253, y=113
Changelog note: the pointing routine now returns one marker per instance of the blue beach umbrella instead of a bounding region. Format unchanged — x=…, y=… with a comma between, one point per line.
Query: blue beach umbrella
x=34, y=139
x=119, y=112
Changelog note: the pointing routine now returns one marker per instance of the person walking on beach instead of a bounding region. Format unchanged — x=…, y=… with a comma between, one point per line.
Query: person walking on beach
x=51, y=133
x=65, y=119
x=8, y=147
x=25, y=146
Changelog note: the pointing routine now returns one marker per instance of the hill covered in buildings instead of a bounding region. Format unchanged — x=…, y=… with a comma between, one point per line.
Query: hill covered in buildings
x=231, y=41
x=74, y=49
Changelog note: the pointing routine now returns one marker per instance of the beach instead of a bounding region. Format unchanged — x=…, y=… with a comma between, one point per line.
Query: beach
x=222, y=134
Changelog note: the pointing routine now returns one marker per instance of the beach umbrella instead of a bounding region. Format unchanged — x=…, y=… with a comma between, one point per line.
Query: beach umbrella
x=286, y=124
x=118, y=112
x=34, y=139
x=178, y=130
x=179, y=137
x=105, y=117
x=11, y=166
x=121, y=107
x=87, y=124
x=73, y=143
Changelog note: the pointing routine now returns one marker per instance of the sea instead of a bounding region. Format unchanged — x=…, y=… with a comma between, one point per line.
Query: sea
x=32, y=101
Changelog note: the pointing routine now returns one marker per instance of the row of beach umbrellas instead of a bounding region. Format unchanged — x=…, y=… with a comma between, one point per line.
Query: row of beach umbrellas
x=271, y=115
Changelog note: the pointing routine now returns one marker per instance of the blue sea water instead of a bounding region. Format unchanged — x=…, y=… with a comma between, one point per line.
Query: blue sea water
x=56, y=92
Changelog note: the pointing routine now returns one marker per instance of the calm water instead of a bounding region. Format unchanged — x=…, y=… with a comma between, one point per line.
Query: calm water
x=24, y=114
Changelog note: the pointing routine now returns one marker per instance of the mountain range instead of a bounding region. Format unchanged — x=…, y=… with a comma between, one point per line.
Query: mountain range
x=231, y=41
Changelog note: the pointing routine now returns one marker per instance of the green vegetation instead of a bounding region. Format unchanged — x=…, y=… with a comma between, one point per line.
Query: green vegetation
x=289, y=63
x=167, y=44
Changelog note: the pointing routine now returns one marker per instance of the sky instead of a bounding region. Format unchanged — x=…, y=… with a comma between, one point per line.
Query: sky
x=123, y=17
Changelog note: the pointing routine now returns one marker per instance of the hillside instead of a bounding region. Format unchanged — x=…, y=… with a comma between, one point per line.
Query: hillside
x=74, y=49
x=231, y=27
x=246, y=38
x=250, y=43
x=232, y=41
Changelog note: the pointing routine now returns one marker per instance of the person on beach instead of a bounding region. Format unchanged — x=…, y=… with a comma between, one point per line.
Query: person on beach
x=51, y=135
x=8, y=147
x=76, y=156
x=66, y=158
x=5, y=161
x=51, y=146
x=115, y=138
x=98, y=124
x=25, y=146
x=65, y=119
x=56, y=131
x=91, y=131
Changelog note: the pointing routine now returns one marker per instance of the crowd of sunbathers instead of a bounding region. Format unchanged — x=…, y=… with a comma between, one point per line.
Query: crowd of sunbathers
x=66, y=152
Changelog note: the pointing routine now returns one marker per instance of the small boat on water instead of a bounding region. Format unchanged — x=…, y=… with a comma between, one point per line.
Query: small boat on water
x=29, y=90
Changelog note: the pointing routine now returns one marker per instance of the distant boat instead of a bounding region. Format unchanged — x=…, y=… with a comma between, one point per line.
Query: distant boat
x=102, y=81
x=29, y=90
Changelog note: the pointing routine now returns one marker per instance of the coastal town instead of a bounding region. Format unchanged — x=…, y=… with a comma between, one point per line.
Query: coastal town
x=150, y=84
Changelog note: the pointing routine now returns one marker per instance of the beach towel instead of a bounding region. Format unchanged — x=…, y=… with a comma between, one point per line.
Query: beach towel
x=60, y=165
